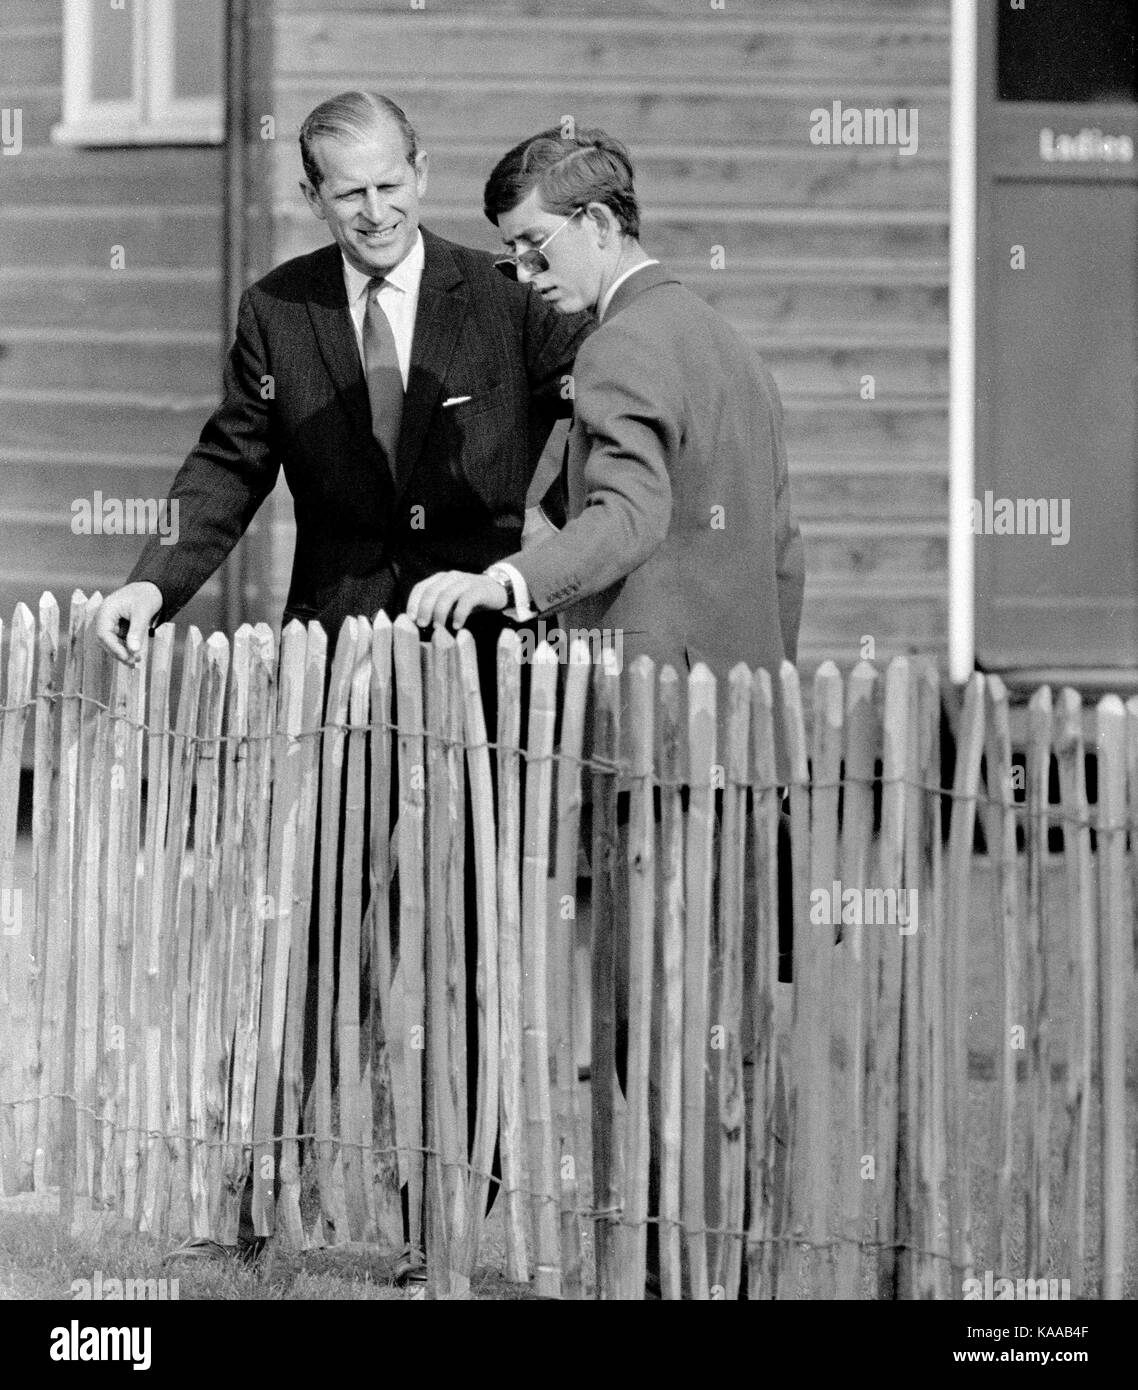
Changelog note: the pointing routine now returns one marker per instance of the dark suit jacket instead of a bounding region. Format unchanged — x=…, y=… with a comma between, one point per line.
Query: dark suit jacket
x=295, y=397
x=680, y=531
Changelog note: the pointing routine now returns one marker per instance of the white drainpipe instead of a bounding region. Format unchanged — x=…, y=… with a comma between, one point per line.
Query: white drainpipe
x=962, y=341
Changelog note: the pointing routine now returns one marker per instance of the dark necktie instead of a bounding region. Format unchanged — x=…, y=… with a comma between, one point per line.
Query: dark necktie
x=555, y=503
x=384, y=381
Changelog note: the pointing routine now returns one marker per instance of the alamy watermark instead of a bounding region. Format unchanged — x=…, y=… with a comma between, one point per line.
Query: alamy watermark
x=11, y=129
x=1020, y=516
x=126, y=516
x=11, y=911
x=75, y=1343
x=597, y=639
x=1002, y=1290
x=101, y=1288
x=865, y=907
x=873, y=125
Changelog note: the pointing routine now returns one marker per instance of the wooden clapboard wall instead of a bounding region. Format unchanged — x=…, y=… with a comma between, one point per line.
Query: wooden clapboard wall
x=835, y=257
x=106, y=375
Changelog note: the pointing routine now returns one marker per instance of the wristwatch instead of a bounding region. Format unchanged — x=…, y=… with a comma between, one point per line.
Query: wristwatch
x=507, y=583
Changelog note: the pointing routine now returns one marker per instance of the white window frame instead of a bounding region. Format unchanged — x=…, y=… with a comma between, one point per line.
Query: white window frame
x=154, y=115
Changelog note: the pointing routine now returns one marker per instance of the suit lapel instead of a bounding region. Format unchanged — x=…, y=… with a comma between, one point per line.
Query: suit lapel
x=443, y=302
x=578, y=445
x=336, y=338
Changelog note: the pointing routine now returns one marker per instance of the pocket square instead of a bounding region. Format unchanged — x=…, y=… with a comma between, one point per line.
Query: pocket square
x=455, y=400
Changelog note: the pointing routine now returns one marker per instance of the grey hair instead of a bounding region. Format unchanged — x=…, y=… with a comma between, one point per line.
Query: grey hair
x=352, y=114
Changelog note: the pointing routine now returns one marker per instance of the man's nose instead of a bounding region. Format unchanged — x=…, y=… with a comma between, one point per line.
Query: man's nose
x=373, y=205
x=525, y=275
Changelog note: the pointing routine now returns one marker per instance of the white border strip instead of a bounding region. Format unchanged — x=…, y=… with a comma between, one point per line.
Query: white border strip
x=962, y=341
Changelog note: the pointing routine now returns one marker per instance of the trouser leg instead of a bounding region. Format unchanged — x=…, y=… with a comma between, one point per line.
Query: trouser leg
x=621, y=974
x=485, y=632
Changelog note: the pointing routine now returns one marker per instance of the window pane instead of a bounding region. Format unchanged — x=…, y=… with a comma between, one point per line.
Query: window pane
x=112, y=63
x=1069, y=50
x=199, y=28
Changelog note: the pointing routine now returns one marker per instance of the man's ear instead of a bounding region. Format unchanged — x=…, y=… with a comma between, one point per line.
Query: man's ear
x=312, y=198
x=421, y=163
x=604, y=219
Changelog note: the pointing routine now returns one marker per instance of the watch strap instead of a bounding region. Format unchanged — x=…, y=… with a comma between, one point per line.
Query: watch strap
x=507, y=583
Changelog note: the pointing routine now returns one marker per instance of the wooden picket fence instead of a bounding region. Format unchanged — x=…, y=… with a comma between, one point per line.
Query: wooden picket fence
x=814, y=1137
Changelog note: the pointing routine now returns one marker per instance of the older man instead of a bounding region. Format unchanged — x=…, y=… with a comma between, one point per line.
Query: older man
x=406, y=389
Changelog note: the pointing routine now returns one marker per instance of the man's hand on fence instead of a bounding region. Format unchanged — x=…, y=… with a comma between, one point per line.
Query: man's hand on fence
x=453, y=595
x=136, y=605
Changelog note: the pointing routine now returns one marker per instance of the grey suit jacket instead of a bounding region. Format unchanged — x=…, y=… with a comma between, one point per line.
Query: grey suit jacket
x=679, y=532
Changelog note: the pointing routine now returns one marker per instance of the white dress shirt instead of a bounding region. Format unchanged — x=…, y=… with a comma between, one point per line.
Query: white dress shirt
x=398, y=298
x=606, y=298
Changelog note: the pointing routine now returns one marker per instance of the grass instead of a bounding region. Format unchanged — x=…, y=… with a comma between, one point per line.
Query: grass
x=38, y=1261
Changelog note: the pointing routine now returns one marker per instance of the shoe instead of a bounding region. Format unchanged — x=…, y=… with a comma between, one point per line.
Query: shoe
x=201, y=1248
x=410, y=1268
x=246, y=1251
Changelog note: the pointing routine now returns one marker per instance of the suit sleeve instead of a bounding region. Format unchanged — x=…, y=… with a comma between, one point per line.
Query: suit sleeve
x=790, y=567
x=226, y=477
x=632, y=420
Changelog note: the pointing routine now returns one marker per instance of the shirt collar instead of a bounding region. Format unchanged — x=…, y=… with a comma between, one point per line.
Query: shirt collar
x=616, y=284
x=406, y=275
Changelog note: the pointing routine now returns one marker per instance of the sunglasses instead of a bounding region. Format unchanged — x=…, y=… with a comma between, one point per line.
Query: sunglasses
x=534, y=261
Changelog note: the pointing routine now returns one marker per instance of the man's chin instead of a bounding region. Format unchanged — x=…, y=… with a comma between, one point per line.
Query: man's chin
x=380, y=256
x=564, y=304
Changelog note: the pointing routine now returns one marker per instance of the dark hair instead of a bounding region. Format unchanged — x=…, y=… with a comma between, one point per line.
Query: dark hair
x=568, y=172
x=352, y=114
